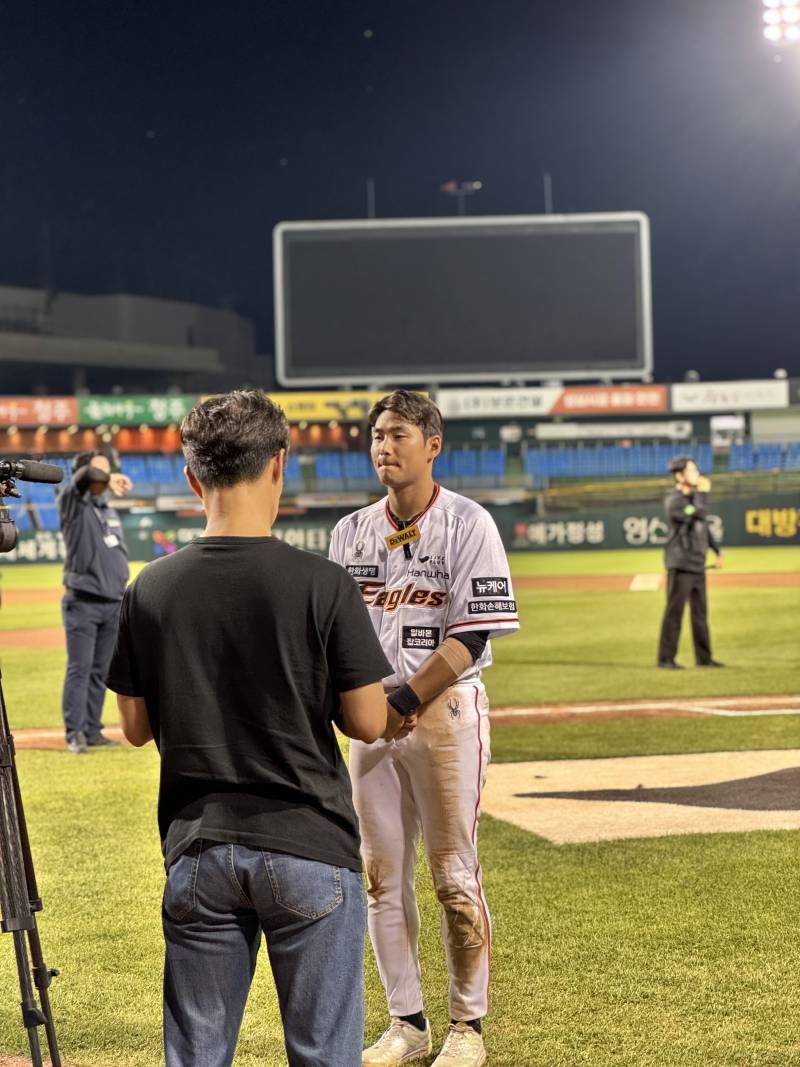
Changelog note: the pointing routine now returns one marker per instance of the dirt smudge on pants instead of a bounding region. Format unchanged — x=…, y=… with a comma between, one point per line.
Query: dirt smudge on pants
x=376, y=878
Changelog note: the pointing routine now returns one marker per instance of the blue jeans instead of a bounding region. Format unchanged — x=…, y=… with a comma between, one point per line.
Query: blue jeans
x=91, y=629
x=217, y=901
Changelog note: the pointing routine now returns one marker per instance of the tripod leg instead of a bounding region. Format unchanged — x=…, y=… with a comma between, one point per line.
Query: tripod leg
x=42, y=974
x=42, y=977
x=19, y=898
x=32, y=1017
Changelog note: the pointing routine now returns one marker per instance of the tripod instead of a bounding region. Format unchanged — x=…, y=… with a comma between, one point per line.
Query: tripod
x=19, y=894
x=19, y=900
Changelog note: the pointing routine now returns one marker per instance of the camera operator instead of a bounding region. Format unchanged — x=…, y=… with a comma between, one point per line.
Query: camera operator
x=236, y=655
x=95, y=576
x=685, y=553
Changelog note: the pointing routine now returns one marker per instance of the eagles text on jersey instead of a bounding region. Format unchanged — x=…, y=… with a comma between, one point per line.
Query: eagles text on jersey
x=456, y=579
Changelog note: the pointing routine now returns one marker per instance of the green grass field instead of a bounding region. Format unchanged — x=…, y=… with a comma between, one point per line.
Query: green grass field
x=665, y=952
x=580, y=645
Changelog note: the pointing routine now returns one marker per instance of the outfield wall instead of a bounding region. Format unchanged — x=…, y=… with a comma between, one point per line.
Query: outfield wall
x=770, y=519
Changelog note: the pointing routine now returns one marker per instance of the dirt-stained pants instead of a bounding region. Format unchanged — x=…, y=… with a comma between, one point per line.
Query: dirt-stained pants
x=430, y=781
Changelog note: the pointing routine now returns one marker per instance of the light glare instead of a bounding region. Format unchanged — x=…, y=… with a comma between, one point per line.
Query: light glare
x=772, y=17
x=792, y=33
x=773, y=33
x=791, y=14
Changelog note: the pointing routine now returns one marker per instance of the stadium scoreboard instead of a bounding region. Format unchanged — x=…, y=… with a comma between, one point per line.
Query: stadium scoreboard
x=413, y=301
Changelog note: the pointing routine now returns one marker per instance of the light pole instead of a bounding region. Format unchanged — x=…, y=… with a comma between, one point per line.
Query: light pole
x=461, y=190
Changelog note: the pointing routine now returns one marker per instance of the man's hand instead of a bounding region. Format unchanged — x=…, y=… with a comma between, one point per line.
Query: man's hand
x=704, y=484
x=398, y=726
x=719, y=562
x=120, y=484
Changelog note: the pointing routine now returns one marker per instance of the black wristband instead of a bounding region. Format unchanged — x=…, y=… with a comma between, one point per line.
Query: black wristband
x=404, y=700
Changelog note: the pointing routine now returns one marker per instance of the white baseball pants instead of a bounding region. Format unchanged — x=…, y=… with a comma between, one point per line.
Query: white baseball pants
x=428, y=782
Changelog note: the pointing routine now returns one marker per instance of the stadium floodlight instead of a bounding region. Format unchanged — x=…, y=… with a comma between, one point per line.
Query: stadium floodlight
x=782, y=19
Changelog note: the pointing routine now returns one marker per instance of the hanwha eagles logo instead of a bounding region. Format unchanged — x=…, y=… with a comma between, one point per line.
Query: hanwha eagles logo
x=358, y=554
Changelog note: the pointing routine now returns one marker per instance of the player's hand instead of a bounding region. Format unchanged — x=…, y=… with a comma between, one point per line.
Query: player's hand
x=704, y=484
x=119, y=484
x=398, y=726
x=719, y=562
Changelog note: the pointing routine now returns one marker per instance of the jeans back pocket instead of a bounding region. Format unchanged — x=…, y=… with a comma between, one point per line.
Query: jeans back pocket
x=305, y=887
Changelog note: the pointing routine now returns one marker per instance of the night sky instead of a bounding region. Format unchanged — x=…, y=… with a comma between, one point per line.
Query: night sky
x=151, y=147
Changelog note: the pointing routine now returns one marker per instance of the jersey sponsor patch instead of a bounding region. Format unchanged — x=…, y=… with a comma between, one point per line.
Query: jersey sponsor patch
x=421, y=637
x=489, y=587
x=362, y=570
x=489, y=607
x=403, y=537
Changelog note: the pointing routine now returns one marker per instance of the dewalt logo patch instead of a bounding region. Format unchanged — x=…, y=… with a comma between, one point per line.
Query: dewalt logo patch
x=402, y=537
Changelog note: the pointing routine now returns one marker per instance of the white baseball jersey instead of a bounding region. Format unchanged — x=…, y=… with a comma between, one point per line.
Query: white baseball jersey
x=456, y=580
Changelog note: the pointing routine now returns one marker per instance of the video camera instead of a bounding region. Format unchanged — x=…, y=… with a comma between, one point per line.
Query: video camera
x=22, y=470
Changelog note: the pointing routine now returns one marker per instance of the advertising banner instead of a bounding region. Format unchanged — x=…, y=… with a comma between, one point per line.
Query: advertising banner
x=610, y=399
x=135, y=410
x=38, y=411
x=768, y=520
x=731, y=396
x=497, y=403
x=535, y=402
x=324, y=407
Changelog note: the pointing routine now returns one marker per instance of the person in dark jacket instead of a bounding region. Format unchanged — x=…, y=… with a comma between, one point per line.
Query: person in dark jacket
x=95, y=576
x=685, y=558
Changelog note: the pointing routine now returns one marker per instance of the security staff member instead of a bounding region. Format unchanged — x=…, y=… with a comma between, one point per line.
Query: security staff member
x=685, y=558
x=95, y=576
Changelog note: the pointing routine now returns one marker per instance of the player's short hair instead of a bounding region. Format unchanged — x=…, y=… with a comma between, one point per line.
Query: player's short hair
x=415, y=408
x=679, y=464
x=231, y=438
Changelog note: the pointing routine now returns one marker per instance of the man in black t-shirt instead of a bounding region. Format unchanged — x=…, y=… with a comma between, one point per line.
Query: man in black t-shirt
x=236, y=655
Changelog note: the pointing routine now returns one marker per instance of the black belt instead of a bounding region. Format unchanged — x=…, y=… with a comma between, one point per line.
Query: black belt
x=93, y=598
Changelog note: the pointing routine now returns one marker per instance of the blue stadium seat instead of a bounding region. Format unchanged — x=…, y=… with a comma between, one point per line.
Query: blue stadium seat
x=329, y=466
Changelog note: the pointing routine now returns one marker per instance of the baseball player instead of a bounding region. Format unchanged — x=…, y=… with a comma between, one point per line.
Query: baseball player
x=435, y=578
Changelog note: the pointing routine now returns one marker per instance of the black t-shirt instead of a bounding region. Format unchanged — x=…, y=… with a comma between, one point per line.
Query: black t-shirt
x=240, y=647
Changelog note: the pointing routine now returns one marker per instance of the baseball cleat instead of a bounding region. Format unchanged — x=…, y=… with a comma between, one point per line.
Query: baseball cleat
x=463, y=1047
x=401, y=1043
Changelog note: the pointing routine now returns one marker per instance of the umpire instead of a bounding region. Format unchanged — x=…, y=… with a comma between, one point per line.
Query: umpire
x=685, y=557
x=95, y=576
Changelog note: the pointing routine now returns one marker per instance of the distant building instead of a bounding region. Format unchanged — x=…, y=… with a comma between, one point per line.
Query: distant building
x=68, y=343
